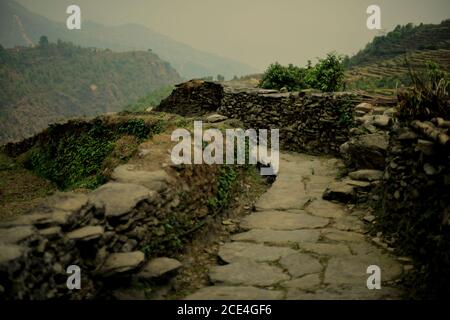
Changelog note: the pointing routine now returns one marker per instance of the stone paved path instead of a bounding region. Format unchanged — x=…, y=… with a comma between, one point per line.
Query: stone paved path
x=299, y=246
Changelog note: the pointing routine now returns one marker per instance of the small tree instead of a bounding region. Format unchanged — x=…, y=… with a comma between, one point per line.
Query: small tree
x=328, y=74
x=43, y=41
x=278, y=76
x=220, y=78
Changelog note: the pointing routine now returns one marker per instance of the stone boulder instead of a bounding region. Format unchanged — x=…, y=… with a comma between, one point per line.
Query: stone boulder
x=119, y=198
x=339, y=191
x=216, y=118
x=122, y=262
x=366, y=151
x=366, y=175
x=86, y=233
x=153, y=180
x=159, y=267
x=364, y=106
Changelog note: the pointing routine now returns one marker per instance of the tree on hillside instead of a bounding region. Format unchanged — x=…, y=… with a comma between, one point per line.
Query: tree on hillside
x=328, y=74
x=277, y=76
x=43, y=41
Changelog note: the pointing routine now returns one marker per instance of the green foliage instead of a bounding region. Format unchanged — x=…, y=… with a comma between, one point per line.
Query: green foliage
x=65, y=80
x=326, y=75
x=43, y=41
x=401, y=40
x=135, y=127
x=429, y=95
x=386, y=82
x=278, y=76
x=226, y=179
x=345, y=111
x=75, y=159
x=151, y=100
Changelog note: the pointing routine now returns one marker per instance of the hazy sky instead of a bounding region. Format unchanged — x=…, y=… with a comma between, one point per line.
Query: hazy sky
x=256, y=32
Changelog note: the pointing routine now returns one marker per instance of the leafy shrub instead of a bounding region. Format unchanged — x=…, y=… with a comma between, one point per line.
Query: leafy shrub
x=151, y=100
x=82, y=156
x=429, y=95
x=326, y=75
x=135, y=127
x=74, y=160
x=227, y=178
x=278, y=76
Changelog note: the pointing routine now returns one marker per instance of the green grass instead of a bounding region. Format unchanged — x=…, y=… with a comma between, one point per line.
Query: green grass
x=151, y=100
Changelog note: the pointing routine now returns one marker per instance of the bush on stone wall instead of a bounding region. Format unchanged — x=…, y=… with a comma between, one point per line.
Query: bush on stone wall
x=277, y=76
x=428, y=96
x=327, y=75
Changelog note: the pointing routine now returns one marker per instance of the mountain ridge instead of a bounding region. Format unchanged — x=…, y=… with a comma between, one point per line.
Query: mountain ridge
x=52, y=82
x=188, y=61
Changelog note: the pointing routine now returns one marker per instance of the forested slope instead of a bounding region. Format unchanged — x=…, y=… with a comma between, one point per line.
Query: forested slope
x=51, y=82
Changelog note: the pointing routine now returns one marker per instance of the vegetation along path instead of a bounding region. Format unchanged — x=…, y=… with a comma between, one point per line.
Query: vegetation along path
x=298, y=246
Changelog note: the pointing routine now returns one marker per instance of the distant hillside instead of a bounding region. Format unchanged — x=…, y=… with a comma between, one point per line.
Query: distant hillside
x=51, y=82
x=404, y=39
x=383, y=63
x=19, y=26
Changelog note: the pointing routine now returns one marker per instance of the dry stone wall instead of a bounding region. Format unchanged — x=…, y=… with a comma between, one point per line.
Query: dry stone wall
x=105, y=232
x=415, y=202
x=312, y=122
x=195, y=97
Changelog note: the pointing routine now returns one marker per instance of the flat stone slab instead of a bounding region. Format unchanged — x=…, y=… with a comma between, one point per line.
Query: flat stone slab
x=247, y=273
x=326, y=209
x=366, y=175
x=364, y=248
x=50, y=232
x=307, y=282
x=327, y=249
x=279, y=237
x=349, y=223
x=235, y=293
x=237, y=251
x=153, y=180
x=58, y=217
x=382, y=121
x=216, y=118
x=68, y=201
x=16, y=234
x=364, y=106
x=281, y=199
x=119, y=198
x=25, y=219
x=351, y=271
x=339, y=191
x=122, y=262
x=338, y=235
x=86, y=233
x=279, y=220
x=10, y=252
x=159, y=267
x=300, y=264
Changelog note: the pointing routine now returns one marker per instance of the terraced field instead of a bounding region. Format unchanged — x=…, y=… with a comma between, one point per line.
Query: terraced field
x=382, y=66
x=387, y=74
